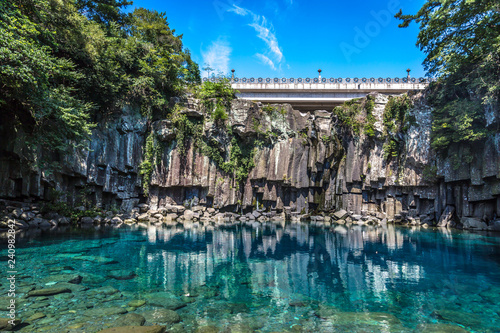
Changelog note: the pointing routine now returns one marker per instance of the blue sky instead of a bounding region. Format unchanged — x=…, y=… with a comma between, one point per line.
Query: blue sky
x=295, y=38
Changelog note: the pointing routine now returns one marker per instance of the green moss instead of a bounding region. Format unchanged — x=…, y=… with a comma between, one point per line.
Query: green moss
x=396, y=116
x=391, y=149
x=348, y=113
x=397, y=119
x=152, y=154
x=429, y=173
x=269, y=109
x=187, y=130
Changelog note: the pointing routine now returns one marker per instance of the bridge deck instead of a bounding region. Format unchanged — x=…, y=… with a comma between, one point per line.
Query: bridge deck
x=320, y=93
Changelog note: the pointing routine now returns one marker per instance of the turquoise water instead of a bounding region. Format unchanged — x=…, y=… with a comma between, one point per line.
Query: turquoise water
x=264, y=278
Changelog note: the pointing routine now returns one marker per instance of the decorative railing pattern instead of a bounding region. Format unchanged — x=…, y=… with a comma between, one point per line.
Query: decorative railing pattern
x=325, y=80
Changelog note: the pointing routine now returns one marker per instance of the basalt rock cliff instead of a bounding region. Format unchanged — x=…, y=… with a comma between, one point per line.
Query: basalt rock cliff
x=303, y=163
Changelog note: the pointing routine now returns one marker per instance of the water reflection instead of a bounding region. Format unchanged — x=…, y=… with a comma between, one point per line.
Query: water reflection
x=354, y=267
x=410, y=273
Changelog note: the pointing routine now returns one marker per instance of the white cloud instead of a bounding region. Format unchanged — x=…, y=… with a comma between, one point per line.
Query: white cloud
x=265, y=31
x=266, y=60
x=268, y=36
x=217, y=57
x=239, y=11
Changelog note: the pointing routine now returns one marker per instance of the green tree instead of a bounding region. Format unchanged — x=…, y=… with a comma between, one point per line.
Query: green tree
x=104, y=11
x=462, y=41
x=67, y=63
x=37, y=90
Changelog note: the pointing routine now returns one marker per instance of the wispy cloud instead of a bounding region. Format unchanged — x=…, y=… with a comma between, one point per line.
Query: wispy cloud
x=268, y=36
x=217, y=56
x=265, y=31
x=266, y=60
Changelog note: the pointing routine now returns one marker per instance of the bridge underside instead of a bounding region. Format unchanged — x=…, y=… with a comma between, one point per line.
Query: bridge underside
x=303, y=102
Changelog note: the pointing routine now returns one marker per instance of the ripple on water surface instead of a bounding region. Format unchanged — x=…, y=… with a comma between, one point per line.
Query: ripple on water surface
x=267, y=278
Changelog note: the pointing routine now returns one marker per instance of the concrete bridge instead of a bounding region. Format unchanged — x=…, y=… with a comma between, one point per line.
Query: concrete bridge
x=321, y=93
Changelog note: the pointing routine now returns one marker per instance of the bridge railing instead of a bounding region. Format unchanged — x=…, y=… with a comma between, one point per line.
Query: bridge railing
x=325, y=80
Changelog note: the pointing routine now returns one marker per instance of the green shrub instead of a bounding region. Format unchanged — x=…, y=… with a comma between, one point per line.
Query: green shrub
x=461, y=121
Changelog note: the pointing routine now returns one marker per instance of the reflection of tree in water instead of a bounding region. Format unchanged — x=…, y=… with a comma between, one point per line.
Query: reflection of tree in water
x=356, y=268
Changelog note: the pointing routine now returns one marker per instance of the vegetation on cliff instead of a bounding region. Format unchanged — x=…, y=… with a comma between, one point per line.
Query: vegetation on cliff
x=462, y=42
x=357, y=115
x=69, y=63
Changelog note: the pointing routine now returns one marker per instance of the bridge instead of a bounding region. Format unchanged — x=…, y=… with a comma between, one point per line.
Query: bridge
x=321, y=93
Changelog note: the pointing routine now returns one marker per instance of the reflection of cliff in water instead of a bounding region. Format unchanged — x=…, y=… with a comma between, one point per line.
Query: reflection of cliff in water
x=345, y=264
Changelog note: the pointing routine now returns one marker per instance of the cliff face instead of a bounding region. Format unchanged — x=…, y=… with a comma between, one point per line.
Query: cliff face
x=105, y=174
x=303, y=162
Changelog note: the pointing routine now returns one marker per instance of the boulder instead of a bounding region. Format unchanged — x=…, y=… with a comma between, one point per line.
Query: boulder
x=17, y=213
x=473, y=223
x=494, y=225
x=63, y=221
x=188, y=215
x=20, y=224
x=116, y=220
x=143, y=207
x=256, y=214
x=446, y=219
x=45, y=224
x=340, y=214
x=86, y=220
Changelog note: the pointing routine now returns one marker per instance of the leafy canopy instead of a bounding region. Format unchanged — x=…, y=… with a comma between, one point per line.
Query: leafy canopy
x=68, y=63
x=462, y=41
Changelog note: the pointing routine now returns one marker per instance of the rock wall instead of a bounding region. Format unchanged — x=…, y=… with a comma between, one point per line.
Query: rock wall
x=104, y=175
x=304, y=163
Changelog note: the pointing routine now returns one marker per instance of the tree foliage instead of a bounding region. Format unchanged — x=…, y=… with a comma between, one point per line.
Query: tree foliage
x=68, y=63
x=462, y=41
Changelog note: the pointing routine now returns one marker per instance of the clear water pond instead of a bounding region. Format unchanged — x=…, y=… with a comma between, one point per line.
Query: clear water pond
x=257, y=278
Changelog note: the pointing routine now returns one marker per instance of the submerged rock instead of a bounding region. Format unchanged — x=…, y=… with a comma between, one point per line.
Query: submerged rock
x=104, y=312
x=130, y=319
x=6, y=324
x=135, y=329
x=165, y=300
x=459, y=317
x=106, y=290
x=122, y=274
x=36, y=316
x=136, y=303
x=365, y=318
x=163, y=316
x=207, y=329
x=441, y=328
x=48, y=291
x=69, y=278
x=96, y=259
